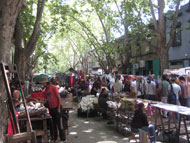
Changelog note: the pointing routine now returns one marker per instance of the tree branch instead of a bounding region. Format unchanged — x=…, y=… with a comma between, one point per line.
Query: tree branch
x=30, y=47
x=104, y=28
x=174, y=24
x=153, y=15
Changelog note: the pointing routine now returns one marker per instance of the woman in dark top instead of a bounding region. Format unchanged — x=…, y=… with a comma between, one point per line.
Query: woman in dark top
x=95, y=87
x=103, y=98
x=102, y=101
x=140, y=119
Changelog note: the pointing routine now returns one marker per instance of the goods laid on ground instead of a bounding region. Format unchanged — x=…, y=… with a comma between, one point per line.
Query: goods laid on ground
x=87, y=102
x=86, y=105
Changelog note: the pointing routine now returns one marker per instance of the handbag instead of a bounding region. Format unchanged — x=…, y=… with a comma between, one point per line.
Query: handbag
x=172, y=96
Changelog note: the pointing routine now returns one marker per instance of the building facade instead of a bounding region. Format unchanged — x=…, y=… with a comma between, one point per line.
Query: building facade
x=144, y=59
x=179, y=53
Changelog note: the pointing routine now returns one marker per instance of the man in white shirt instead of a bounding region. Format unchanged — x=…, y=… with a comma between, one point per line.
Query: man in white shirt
x=133, y=84
x=150, y=89
x=117, y=86
x=176, y=90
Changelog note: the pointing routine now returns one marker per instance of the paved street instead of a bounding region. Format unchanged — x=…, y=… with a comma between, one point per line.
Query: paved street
x=95, y=130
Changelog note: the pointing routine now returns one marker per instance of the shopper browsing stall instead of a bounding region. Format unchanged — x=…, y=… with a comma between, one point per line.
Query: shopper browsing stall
x=52, y=95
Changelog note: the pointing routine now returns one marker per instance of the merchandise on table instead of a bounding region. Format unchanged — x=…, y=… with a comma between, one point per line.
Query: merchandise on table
x=114, y=105
x=127, y=105
x=34, y=110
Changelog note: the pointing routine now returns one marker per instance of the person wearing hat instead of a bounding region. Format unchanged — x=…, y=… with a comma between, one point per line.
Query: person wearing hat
x=53, y=98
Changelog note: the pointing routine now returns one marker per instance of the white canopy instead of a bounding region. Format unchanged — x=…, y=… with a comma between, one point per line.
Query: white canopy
x=180, y=72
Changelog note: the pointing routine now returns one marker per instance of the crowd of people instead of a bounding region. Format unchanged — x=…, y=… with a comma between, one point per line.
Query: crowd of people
x=168, y=89
x=144, y=87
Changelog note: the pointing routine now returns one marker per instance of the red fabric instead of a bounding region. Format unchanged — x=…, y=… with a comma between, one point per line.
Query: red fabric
x=125, y=77
x=82, y=75
x=133, y=77
x=10, y=129
x=71, y=80
x=37, y=95
x=129, y=77
x=50, y=93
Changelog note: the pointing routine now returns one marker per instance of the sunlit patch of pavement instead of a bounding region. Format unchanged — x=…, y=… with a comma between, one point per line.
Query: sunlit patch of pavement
x=92, y=130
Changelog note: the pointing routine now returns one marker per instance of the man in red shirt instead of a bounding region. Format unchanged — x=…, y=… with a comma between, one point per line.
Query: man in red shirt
x=54, y=102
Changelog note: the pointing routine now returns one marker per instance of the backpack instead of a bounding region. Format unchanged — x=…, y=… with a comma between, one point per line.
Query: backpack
x=172, y=96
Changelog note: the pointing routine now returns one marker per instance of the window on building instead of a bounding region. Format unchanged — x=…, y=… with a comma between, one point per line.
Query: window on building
x=180, y=14
x=177, y=36
x=188, y=9
x=175, y=63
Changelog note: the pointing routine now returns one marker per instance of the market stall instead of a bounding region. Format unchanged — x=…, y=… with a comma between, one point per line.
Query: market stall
x=178, y=72
x=67, y=105
x=181, y=110
x=124, y=115
x=16, y=135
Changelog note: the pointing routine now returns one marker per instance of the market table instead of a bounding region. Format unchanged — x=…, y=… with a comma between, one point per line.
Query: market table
x=42, y=132
x=181, y=110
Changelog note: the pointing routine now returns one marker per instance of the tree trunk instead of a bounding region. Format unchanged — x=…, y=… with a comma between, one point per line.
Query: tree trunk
x=29, y=67
x=21, y=62
x=124, y=68
x=160, y=27
x=163, y=54
x=23, y=52
x=9, y=10
x=19, y=57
